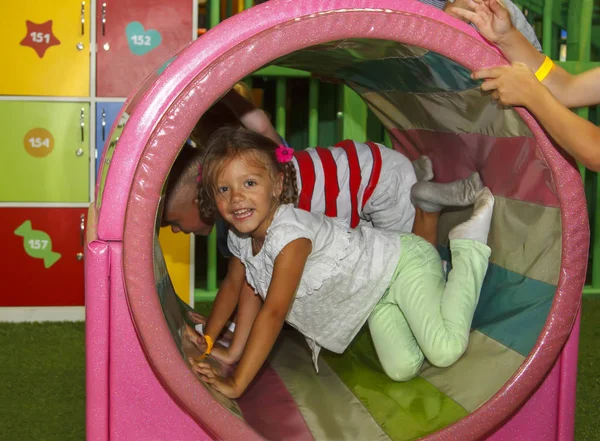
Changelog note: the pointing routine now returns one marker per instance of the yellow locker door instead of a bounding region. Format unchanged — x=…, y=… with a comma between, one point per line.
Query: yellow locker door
x=176, y=250
x=45, y=47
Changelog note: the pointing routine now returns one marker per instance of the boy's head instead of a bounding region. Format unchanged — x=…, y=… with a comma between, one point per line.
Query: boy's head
x=181, y=210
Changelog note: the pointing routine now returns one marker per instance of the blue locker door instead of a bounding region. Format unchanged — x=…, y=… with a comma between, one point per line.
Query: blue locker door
x=106, y=113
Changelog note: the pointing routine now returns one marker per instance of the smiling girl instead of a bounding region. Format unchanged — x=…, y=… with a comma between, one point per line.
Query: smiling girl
x=326, y=279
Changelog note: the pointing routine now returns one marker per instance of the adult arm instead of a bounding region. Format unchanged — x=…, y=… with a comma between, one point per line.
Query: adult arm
x=579, y=137
x=493, y=22
x=517, y=85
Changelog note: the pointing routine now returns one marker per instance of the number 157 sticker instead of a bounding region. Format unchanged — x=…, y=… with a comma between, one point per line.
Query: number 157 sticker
x=37, y=244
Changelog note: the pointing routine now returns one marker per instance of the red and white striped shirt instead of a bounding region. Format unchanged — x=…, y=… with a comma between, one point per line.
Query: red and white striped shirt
x=338, y=181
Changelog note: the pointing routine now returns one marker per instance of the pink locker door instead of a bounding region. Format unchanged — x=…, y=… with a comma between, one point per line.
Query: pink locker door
x=134, y=38
x=41, y=263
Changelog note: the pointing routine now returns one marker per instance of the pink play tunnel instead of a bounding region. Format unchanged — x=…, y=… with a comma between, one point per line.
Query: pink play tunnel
x=410, y=63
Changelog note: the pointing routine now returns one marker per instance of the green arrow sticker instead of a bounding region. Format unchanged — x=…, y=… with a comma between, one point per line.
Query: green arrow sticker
x=37, y=244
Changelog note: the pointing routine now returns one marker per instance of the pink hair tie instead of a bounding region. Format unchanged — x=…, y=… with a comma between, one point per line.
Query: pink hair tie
x=199, y=177
x=284, y=154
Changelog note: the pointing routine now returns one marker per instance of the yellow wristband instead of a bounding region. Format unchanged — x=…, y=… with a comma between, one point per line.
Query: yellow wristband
x=209, y=344
x=544, y=69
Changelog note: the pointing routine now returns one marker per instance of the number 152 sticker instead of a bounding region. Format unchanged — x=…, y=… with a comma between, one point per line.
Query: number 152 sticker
x=140, y=40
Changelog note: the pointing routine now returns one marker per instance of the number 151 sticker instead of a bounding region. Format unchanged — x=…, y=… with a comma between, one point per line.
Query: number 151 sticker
x=40, y=37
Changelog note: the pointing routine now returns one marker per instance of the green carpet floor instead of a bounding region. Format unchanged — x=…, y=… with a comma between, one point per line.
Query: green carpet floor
x=42, y=380
x=42, y=388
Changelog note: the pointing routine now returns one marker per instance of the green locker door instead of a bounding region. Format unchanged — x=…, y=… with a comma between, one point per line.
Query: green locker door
x=44, y=152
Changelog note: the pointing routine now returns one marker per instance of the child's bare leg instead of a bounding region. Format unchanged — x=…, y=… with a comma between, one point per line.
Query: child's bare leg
x=425, y=225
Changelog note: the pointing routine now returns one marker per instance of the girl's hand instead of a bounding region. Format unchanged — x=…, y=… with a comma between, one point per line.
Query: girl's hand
x=512, y=85
x=197, y=318
x=212, y=376
x=489, y=16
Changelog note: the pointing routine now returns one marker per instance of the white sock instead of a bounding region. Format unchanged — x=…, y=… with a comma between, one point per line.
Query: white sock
x=433, y=196
x=423, y=168
x=478, y=226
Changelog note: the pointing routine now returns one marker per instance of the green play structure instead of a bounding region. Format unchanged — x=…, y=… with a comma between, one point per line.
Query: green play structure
x=333, y=112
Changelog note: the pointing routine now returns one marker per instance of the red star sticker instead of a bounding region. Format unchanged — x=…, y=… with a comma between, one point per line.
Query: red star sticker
x=39, y=37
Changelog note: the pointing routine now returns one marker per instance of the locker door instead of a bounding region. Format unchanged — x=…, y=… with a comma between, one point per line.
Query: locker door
x=41, y=263
x=46, y=47
x=134, y=38
x=45, y=152
x=106, y=113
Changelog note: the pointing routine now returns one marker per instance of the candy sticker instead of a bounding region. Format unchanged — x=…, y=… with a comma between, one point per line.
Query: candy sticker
x=37, y=244
x=38, y=142
x=39, y=37
x=141, y=41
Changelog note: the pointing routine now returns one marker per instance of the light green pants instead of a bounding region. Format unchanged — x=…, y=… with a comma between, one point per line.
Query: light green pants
x=422, y=315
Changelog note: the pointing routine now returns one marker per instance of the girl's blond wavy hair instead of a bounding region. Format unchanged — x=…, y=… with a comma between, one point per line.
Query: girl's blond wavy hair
x=228, y=143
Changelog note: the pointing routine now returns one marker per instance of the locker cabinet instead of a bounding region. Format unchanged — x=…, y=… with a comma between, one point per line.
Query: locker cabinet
x=45, y=152
x=134, y=38
x=106, y=113
x=45, y=48
x=42, y=256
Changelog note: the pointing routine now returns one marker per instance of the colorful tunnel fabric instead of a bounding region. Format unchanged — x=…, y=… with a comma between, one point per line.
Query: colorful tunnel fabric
x=525, y=237
x=427, y=101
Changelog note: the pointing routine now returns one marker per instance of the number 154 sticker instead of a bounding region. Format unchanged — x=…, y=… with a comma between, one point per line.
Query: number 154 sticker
x=38, y=142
